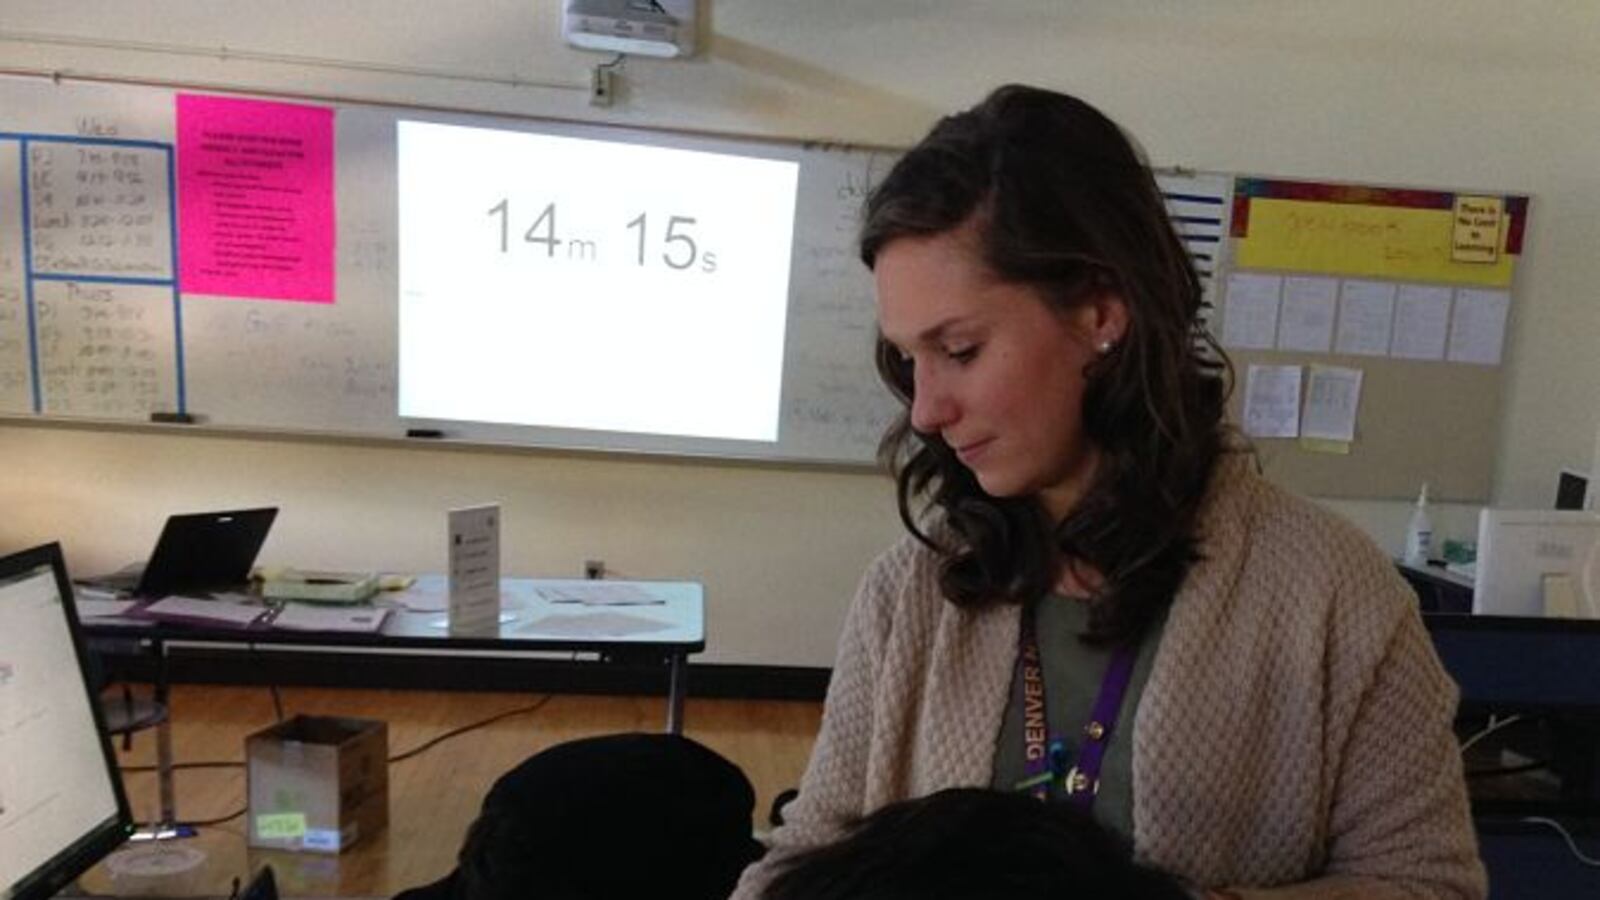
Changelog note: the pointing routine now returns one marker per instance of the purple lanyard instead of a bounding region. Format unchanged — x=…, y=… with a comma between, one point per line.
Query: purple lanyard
x=1044, y=752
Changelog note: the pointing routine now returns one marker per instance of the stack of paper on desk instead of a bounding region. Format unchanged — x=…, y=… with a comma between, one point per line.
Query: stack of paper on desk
x=299, y=617
x=321, y=587
x=94, y=604
x=226, y=613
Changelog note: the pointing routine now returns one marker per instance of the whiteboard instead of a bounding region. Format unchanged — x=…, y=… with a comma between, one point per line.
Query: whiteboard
x=331, y=368
x=107, y=336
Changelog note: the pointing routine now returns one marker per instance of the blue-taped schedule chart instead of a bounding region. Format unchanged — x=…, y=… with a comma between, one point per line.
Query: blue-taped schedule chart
x=89, y=315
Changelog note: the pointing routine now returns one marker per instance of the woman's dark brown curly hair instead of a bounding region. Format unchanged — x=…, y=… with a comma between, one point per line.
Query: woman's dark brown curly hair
x=1064, y=202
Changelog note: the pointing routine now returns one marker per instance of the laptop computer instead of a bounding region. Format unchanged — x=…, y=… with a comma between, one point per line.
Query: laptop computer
x=196, y=553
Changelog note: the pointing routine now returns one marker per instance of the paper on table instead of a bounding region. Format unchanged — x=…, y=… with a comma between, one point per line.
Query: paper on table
x=599, y=593
x=300, y=617
x=96, y=608
x=423, y=596
x=1421, y=321
x=1250, y=318
x=596, y=624
x=221, y=611
x=1366, y=311
x=1272, y=401
x=1478, y=328
x=1332, y=396
x=1307, y=320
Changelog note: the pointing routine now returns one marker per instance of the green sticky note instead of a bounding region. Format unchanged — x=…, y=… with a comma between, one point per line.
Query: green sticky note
x=281, y=825
x=1323, y=445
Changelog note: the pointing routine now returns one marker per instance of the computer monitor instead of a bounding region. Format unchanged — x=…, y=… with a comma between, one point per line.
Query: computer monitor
x=62, y=806
x=1527, y=555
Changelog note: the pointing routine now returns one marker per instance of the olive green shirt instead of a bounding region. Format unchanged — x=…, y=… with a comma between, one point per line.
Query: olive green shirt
x=1072, y=675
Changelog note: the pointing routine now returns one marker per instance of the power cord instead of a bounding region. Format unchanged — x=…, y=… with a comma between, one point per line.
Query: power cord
x=1493, y=727
x=1496, y=725
x=1566, y=836
x=399, y=757
x=272, y=687
x=210, y=764
x=277, y=711
x=207, y=823
x=1518, y=769
x=457, y=732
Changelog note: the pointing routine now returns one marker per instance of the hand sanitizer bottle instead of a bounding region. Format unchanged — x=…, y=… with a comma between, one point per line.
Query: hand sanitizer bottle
x=1419, y=534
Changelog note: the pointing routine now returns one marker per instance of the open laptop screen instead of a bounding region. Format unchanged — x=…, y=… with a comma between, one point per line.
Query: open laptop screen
x=205, y=551
x=61, y=801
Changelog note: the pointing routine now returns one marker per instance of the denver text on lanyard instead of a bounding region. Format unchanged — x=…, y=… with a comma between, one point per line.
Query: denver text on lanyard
x=1044, y=751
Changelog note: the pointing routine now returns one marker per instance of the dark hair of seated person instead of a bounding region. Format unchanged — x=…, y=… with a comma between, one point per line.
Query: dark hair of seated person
x=616, y=817
x=966, y=844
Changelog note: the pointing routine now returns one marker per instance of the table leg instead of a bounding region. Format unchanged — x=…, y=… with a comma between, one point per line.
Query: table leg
x=169, y=803
x=166, y=824
x=676, y=691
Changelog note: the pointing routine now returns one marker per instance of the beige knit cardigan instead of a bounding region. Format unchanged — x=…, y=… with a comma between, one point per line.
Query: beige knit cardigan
x=1293, y=740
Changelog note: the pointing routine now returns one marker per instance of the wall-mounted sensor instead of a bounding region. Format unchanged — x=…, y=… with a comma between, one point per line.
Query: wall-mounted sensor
x=602, y=86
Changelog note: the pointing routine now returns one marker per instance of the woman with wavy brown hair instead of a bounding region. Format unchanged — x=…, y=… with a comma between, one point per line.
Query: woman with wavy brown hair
x=1100, y=601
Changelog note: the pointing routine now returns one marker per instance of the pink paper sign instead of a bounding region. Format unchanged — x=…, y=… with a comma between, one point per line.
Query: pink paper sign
x=255, y=199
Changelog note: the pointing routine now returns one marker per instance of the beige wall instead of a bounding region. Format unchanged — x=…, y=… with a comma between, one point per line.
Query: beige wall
x=1447, y=94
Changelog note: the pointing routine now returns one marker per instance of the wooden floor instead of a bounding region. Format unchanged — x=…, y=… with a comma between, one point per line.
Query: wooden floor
x=433, y=796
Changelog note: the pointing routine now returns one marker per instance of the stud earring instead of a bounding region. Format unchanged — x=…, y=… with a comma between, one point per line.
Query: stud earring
x=1104, y=347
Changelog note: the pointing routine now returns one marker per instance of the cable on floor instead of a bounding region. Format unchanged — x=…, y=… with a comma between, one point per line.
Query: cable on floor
x=206, y=823
x=457, y=732
x=209, y=764
x=431, y=742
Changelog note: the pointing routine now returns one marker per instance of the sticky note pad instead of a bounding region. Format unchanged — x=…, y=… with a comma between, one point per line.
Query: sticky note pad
x=281, y=825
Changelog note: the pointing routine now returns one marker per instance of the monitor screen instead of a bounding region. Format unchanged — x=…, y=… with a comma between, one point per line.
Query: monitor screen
x=1537, y=562
x=61, y=801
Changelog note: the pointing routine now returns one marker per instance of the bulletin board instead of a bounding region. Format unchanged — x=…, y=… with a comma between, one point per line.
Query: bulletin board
x=1411, y=289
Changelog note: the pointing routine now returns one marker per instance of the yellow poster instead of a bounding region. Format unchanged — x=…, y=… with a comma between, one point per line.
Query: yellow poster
x=1376, y=240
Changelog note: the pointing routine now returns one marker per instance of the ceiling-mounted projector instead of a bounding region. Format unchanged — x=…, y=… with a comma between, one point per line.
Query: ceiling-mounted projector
x=662, y=28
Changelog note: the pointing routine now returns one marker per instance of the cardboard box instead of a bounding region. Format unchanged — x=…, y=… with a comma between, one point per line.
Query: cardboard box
x=318, y=783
